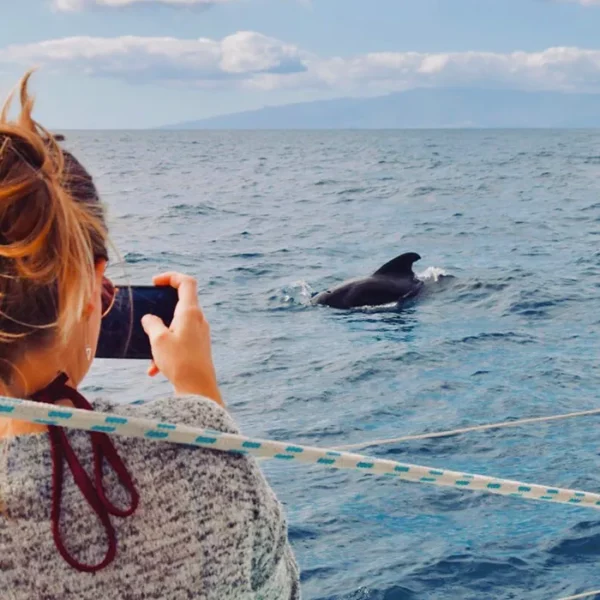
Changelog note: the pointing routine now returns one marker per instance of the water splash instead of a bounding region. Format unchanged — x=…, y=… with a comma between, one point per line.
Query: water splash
x=432, y=274
x=379, y=308
x=298, y=292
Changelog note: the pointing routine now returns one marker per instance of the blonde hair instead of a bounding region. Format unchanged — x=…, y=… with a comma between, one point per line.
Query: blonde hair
x=52, y=232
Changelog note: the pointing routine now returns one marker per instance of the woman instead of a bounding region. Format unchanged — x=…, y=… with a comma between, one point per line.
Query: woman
x=153, y=521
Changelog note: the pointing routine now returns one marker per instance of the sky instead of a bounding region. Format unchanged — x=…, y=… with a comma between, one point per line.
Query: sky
x=119, y=64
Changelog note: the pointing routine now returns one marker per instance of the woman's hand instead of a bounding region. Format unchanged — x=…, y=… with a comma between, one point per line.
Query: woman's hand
x=182, y=352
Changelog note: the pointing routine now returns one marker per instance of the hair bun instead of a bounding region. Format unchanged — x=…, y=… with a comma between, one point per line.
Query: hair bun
x=52, y=228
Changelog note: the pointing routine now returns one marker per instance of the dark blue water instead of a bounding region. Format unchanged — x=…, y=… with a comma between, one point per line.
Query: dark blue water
x=264, y=219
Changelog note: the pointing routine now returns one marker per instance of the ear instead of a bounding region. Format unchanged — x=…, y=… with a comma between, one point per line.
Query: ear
x=99, y=269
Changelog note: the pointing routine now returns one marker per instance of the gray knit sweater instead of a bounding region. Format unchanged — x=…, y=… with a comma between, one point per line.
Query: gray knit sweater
x=208, y=526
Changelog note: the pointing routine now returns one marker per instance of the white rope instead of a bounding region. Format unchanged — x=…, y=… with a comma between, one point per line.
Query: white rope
x=438, y=434
x=584, y=595
x=284, y=451
x=486, y=427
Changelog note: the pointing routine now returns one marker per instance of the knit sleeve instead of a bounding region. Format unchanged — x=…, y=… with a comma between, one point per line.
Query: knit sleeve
x=273, y=571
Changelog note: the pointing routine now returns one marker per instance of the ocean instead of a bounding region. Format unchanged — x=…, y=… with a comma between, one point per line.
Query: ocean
x=265, y=219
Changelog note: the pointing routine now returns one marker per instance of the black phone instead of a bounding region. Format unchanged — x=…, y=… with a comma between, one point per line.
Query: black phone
x=121, y=332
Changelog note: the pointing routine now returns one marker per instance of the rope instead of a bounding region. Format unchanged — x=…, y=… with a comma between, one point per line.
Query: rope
x=438, y=434
x=584, y=595
x=207, y=438
x=499, y=425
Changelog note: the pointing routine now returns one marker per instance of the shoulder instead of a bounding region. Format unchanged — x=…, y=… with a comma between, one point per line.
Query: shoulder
x=195, y=411
x=228, y=471
x=171, y=461
x=213, y=473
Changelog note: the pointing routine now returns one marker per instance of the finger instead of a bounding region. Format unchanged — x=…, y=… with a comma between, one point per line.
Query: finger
x=162, y=278
x=185, y=285
x=153, y=326
x=153, y=369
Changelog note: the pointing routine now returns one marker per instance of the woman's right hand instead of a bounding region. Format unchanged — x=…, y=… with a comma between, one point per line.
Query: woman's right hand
x=182, y=352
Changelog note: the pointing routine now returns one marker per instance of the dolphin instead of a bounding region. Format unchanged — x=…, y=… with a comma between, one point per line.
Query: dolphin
x=393, y=282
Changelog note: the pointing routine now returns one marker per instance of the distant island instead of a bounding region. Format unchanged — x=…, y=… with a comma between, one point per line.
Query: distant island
x=421, y=109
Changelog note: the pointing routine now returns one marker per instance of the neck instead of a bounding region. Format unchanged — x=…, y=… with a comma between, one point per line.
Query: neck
x=31, y=374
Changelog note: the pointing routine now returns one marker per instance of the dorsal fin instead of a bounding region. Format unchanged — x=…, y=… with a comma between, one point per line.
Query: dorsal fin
x=401, y=265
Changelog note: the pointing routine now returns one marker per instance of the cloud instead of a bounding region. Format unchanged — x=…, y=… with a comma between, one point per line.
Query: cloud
x=554, y=68
x=251, y=60
x=584, y=2
x=78, y=5
x=145, y=59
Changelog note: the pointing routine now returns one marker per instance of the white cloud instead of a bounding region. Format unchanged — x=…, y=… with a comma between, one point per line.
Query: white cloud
x=77, y=5
x=134, y=58
x=252, y=60
x=584, y=2
x=554, y=68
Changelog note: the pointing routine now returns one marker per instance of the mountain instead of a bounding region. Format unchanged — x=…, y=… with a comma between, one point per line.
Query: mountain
x=421, y=108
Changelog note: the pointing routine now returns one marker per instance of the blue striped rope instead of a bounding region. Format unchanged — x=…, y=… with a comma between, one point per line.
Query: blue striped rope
x=207, y=438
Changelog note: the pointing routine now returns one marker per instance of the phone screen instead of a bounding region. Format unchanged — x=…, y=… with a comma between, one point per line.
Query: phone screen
x=121, y=332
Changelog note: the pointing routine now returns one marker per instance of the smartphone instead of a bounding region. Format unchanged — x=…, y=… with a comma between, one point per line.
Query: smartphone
x=121, y=332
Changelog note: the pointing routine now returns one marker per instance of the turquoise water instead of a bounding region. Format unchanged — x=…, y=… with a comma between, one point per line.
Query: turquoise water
x=264, y=219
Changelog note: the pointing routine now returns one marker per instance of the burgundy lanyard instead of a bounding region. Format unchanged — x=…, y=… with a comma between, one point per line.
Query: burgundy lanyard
x=93, y=492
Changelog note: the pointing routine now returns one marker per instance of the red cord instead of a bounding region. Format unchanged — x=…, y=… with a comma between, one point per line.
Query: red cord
x=94, y=493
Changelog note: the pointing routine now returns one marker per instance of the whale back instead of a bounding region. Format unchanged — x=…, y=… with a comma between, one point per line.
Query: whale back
x=401, y=266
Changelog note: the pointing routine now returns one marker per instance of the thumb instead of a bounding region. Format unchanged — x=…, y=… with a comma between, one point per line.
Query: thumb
x=153, y=326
